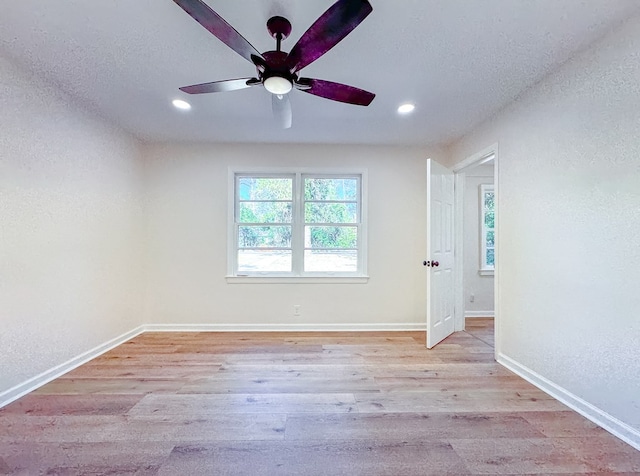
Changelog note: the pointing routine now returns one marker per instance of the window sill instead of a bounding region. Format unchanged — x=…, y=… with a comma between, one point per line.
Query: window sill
x=297, y=279
x=486, y=272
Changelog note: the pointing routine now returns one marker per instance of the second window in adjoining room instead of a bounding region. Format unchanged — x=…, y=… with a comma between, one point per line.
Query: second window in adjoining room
x=487, y=228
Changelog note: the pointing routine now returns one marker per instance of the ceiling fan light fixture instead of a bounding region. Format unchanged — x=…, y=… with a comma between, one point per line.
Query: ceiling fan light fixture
x=180, y=104
x=406, y=108
x=278, y=85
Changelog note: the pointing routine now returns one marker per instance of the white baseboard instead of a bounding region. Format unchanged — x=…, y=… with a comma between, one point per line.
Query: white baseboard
x=614, y=426
x=47, y=376
x=390, y=327
x=479, y=314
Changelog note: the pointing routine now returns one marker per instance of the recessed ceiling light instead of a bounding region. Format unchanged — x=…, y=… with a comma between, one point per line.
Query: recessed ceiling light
x=406, y=108
x=180, y=104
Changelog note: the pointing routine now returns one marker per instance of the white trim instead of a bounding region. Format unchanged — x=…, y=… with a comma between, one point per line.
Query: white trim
x=298, y=175
x=232, y=254
x=497, y=303
x=459, y=170
x=297, y=279
x=486, y=272
x=386, y=327
x=610, y=423
x=47, y=376
x=478, y=158
x=458, y=290
x=476, y=314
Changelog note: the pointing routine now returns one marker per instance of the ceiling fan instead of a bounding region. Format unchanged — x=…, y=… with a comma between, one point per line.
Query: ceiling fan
x=277, y=70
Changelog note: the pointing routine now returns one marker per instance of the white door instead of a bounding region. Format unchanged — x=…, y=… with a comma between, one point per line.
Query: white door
x=440, y=253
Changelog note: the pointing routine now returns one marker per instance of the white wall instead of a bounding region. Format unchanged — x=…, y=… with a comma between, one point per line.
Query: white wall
x=187, y=239
x=69, y=234
x=480, y=286
x=569, y=218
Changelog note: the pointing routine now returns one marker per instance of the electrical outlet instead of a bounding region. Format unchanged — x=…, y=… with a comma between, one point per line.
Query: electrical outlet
x=296, y=309
x=472, y=298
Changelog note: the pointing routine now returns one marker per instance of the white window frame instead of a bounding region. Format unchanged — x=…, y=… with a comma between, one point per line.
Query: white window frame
x=485, y=268
x=298, y=224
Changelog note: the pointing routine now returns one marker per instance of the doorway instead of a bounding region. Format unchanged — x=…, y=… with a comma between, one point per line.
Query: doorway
x=476, y=218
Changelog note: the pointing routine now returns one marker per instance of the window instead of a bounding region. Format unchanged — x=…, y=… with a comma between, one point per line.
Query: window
x=487, y=229
x=297, y=224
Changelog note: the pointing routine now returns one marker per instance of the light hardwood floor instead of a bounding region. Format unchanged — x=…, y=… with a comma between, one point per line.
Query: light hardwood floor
x=301, y=404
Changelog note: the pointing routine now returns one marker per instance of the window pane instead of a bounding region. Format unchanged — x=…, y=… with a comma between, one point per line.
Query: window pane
x=490, y=238
x=491, y=257
x=489, y=219
x=265, y=212
x=330, y=189
x=331, y=261
x=252, y=188
x=258, y=261
x=489, y=200
x=264, y=237
x=331, y=237
x=331, y=212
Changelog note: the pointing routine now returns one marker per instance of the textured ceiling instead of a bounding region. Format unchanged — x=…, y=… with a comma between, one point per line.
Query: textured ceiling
x=459, y=61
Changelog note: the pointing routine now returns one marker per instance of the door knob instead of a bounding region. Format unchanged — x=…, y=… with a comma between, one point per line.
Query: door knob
x=432, y=264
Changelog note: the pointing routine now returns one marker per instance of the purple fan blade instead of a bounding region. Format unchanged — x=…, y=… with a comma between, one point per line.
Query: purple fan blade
x=328, y=30
x=213, y=22
x=219, y=86
x=281, y=110
x=336, y=91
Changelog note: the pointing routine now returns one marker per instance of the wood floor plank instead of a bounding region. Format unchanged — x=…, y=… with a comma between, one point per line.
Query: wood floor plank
x=117, y=386
x=115, y=357
x=370, y=458
x=408, y=426
x=52, y=405
x=603, y=454
x=193, y=405
x=566, y=424
x=518, y=456
x=600, y=455
x=143, y=371
x=264, y=385
x=445, y=383
x=4, y=466
x=140, y=428
x=302, y=403
x=454, y=401
x=142, y=458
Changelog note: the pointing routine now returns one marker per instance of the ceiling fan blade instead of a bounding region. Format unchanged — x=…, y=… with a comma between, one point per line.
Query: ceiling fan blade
x=217, y=25
x=220, y=86
x=335, y=91
x=281, y=106
x=327, y=31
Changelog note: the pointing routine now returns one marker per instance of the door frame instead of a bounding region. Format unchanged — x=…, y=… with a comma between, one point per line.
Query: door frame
x=459, y=177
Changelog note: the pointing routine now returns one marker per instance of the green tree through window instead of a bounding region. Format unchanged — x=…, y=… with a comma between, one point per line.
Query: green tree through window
x=487, y=227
